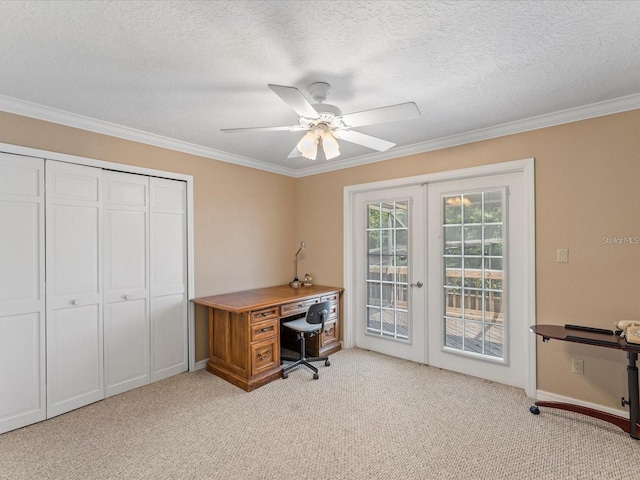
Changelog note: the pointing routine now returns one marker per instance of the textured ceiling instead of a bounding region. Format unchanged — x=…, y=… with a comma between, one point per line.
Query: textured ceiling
x=182, y=70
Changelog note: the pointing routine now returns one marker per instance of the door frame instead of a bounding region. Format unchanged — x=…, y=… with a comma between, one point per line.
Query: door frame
x=525, y=167
x=121, y=167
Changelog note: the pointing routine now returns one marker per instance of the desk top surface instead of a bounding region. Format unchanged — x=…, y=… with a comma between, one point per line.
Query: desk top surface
x=258, y=298
x=576, y=335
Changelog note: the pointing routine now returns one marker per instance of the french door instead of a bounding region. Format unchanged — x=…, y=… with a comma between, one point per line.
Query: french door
x=391, y=265
x=476, y=277
x=440, y=273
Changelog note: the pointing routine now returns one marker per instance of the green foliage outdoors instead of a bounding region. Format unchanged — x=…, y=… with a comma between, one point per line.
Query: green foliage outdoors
x=467, y=219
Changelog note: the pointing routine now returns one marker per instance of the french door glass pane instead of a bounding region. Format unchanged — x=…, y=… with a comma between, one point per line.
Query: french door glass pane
x=473, y=281
x=387, y=269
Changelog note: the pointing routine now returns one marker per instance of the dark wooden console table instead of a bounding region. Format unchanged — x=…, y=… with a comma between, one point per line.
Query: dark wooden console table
x=244, y=330
x=600, y=338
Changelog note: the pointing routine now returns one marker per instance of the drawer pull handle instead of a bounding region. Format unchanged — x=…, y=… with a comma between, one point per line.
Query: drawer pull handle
x=264, y=355
x=329, y=331
x=265, y=330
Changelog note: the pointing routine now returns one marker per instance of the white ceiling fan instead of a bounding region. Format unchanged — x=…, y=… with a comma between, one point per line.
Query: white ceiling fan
x=325, y=123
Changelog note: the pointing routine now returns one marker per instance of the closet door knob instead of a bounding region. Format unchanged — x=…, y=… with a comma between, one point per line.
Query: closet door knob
x=126, y=297
x=74, y=302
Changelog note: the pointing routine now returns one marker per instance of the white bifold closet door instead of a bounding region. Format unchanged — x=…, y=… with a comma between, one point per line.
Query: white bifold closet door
x=74, y=287
x=126, y=282
x=168, y=277
x=145, y=280
x=114, y=313
x=22, y=296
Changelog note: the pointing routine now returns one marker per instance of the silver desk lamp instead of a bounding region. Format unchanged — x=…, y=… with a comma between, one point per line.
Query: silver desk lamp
x=296, y=283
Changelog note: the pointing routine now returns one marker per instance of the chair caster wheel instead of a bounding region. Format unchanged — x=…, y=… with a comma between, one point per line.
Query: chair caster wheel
x=535, y=410
x=316, y=376
x=285, y=375
x=327, y=363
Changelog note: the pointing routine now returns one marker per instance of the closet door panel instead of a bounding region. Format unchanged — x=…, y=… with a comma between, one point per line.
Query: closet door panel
x=72, y=241
x=126, y=345
x=168, y=269
x=74, y=287
x=169, y=265
x=21, y=382
x=21, y=177
x=169, y=335
x=75, y=183
x=127, y=352
x=126, y=253
x=22, y=306
x=20, y=253
x=74, y=338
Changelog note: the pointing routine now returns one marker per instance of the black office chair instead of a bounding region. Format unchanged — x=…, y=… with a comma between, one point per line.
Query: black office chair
x=313, y=324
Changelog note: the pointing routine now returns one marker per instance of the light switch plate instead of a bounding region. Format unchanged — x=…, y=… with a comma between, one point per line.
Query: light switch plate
x=562, y=255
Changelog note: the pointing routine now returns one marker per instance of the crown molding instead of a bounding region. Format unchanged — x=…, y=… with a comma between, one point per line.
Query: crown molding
x=599, y=109
x=40, y=112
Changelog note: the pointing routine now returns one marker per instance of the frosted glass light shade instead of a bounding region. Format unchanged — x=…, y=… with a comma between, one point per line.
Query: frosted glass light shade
x=330, y=146
x=308, y=146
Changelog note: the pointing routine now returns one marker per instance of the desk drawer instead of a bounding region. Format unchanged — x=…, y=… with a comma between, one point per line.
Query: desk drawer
x=265, y=355
x=331, y=333
x=333, y=297
x=300, y=306
x=333, y=312
x=263, y=330
x=264, y=314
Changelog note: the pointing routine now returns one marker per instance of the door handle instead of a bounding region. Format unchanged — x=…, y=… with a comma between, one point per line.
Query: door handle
x=419, y=284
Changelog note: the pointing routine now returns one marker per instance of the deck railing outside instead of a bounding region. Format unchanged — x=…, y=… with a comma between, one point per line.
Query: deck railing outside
x=473, y=312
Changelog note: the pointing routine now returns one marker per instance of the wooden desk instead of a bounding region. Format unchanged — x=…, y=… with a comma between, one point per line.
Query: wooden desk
x=244, y=330
x=600, y=338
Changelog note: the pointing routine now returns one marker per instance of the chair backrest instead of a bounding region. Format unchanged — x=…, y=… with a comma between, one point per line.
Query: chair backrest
x=318, y=313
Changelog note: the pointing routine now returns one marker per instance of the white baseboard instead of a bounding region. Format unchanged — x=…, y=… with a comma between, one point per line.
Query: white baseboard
x=201, y=364
x=542, y=396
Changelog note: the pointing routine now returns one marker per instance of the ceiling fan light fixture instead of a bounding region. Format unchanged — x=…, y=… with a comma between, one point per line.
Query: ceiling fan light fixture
x=325, y=123
x=308, y=146
x=330, y=145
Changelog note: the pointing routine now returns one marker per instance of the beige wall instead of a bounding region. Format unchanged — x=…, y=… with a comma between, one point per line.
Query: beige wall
x=247, y=228
x=587, y=186
x=244, y=219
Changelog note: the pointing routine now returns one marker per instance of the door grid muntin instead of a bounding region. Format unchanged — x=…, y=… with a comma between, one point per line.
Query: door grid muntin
x=474, y=273
x=388, y=270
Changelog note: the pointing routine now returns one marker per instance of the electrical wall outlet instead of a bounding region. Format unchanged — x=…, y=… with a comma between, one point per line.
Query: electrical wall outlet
x=577, y=366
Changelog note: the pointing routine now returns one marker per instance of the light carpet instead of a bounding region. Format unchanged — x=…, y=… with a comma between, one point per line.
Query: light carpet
x=369, y=416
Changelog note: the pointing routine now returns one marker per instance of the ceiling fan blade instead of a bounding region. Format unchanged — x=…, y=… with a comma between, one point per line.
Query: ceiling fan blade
x=287, y=128
x=392, y=113
x=295, y=153
x=295, y=100
x=368, y=141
